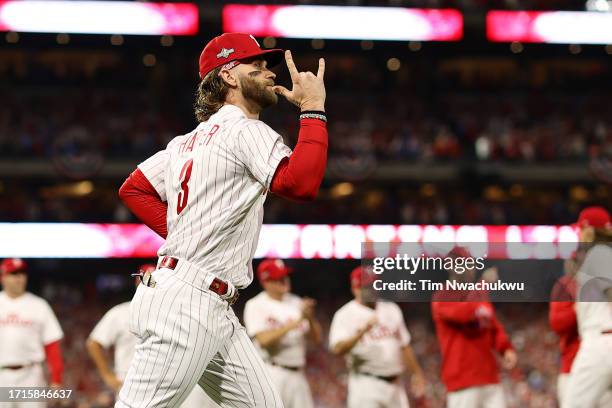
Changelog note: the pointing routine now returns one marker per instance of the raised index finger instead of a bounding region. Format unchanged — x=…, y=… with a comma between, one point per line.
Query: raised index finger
x=321, y=71
x=293, y=72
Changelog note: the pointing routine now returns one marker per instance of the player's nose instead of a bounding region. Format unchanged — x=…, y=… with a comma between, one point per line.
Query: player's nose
x=270, y=75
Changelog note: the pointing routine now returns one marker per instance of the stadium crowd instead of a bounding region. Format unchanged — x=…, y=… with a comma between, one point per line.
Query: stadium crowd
x=121, y=124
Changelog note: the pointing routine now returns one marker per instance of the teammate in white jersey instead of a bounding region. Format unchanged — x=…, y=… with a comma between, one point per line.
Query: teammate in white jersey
x=205, y=194
x=113, y=331
x=280, y=323
x=591, y=373
x=29, y=335
x=374, y=338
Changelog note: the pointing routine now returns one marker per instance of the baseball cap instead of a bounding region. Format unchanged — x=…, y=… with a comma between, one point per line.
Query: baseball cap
x=272, y=269
x=12, y=265
x=234, y=46
x=459, y=252
x=361, y=277
x=596, y=217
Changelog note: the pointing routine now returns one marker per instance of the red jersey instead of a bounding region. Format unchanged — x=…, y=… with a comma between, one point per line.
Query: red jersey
x=562, y=319
x=468, y=334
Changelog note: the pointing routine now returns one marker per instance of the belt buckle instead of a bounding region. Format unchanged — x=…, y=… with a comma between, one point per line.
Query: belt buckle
x=146, y=278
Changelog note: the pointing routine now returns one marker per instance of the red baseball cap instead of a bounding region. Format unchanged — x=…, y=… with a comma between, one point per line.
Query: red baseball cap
x=459, y=252
x=234, y=46
x=361, y=277
x=272, y=269
x=13, y=265
x=596, y=217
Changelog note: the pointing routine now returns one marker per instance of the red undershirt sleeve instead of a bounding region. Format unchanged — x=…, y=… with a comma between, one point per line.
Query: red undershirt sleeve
x=299, y=176
x=55, y=362
x=142, y=199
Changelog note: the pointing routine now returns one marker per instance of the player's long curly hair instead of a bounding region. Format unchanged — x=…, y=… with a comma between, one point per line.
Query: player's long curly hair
x=210, y=95
x=603, y=235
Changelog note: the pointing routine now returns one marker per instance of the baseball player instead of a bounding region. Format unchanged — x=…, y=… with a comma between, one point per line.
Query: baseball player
x=469, y=334
x=591, y=373
x=562, y=319
x=204, y=193
x=29, y=333
x=375, y=341
x=280, y=323
x=113, y=331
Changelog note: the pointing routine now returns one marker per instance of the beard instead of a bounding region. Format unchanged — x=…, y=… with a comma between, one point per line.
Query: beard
x=257, y=92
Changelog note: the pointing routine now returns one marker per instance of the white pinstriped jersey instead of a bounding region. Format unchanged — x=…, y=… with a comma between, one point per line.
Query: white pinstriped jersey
x=215, y=180
x=379, y=351
x=263, y=313
x=593, y=311
x=27, y=324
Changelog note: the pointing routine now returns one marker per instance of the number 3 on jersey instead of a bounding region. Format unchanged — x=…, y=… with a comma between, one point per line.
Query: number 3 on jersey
x=183, y=195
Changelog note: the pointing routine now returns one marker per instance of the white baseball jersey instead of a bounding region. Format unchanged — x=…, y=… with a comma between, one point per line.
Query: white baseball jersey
x=27, y=324
x=263, y=313
x=591, y=375
x=113, y=330
x=379, y=351
x=215, y=180
x=594, y=278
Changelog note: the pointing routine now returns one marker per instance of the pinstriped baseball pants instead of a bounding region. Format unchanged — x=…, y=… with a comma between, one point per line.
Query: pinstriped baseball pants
x=190, y=336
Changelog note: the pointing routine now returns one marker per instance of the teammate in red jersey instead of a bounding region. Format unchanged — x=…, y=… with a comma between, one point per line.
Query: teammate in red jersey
x=469, y=334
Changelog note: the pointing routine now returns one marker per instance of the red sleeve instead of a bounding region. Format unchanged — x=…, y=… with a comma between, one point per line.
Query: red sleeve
x=456, y=312
x=502, y=343
x=562, y=317
x=142, y=199
x=53, y=352
x=299, y=177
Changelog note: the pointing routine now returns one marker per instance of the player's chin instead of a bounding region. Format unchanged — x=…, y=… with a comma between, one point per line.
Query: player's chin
x=269, y=98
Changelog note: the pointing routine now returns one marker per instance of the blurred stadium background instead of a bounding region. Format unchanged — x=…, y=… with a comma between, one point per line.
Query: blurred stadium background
x=479, y=114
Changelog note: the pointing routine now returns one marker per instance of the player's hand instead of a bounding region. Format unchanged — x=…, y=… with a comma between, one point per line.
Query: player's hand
x=308, y=89
x=113, y=382
x=308, y=308
x=417, y=385
x=371, y=323
x=510, y=359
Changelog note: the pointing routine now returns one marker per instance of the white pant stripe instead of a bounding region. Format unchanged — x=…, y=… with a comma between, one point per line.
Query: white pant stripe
x=190, y=336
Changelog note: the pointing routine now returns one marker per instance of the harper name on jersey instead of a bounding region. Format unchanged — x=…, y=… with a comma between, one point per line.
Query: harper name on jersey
x=215, y=180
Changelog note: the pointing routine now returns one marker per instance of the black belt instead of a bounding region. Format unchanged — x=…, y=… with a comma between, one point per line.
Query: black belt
x=217, y=285
x=390, y=379
x=285, y=367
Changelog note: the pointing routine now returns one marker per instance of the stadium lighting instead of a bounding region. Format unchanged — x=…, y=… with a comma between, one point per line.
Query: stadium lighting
x=40, y=240
x=559, y=27
x=99, y=17
x=344, y=22
x=599, y=5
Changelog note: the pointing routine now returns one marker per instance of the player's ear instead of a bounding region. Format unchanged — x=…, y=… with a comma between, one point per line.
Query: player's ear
x=229, y=78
